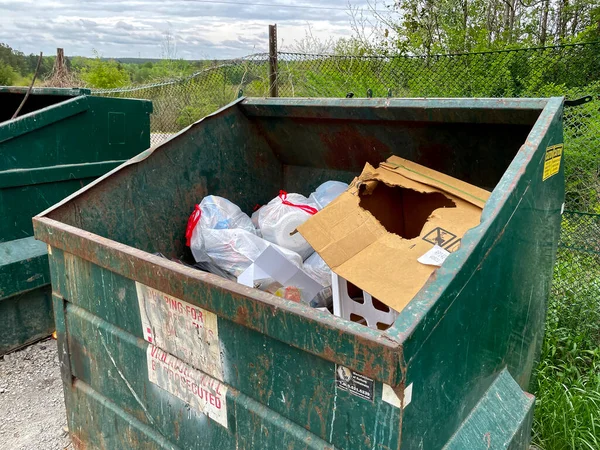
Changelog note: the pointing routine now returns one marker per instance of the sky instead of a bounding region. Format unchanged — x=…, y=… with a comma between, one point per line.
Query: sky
x=137, y=28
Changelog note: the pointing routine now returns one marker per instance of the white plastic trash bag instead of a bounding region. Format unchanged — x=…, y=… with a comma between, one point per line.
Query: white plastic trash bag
x=318, y=270
x=218, y=213
x=281, y=216
x=219, y=232
x=327, y=192
x=233, y=250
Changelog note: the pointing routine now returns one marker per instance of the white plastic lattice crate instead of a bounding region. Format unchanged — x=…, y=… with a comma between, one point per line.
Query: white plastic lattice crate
x=374, y=313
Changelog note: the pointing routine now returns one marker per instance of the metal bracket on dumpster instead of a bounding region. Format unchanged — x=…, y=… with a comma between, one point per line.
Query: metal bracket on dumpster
x=350, y=95
x=369, y=93
x=579, y=101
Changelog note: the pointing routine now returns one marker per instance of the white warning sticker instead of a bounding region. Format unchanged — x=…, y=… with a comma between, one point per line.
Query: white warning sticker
x=388, y=395
x=434, y=257
x=181, y=329
x=202, y=392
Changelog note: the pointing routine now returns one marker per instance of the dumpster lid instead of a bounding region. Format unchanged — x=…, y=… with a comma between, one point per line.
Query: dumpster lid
x=70, y=92
x=375, y=233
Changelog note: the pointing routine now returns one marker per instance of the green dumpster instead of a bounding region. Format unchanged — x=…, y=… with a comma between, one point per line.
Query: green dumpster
x=155, y=354
x=61, y=140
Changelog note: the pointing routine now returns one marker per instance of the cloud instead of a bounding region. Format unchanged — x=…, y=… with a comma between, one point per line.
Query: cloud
x=132, y=28
x=124, y=25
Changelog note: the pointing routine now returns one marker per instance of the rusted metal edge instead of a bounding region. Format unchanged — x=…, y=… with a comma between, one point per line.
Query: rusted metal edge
x=480, y=110
x=375, y=353
x=425, y=300
x=421, y=102
x=39, y=175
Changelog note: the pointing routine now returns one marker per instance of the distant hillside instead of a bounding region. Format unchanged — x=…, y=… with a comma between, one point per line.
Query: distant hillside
x=147, y=60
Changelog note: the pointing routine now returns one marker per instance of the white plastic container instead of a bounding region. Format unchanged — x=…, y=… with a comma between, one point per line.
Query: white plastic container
x=352, y=309
x=279, y=219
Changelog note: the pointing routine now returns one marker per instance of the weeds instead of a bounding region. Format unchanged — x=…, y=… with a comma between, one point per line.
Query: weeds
x=567, y=382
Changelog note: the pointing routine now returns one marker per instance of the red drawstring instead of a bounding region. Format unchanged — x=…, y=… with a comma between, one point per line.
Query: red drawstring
x=306, y=208
x=192, y=222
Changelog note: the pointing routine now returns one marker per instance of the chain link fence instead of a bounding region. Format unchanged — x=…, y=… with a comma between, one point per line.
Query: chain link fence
x=572, y=71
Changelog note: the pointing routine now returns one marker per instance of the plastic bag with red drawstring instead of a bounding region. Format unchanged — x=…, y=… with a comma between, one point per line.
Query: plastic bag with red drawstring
x=219, y=232
x=279, y=219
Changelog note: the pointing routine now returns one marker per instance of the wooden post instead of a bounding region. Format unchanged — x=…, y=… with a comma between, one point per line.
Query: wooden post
x=273, y=60
x=60, y=61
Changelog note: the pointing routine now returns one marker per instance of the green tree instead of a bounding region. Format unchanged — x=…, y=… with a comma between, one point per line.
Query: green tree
x=426, y=27
x=7, y=74
x=104, y=74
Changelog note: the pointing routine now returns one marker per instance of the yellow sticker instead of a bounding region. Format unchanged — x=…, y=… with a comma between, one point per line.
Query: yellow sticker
x=552, y=161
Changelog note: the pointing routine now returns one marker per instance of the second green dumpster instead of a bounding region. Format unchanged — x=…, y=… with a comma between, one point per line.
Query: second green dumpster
x=62, y=140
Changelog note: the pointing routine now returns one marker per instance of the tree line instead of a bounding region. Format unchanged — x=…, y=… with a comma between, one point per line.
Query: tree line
x=17, y=68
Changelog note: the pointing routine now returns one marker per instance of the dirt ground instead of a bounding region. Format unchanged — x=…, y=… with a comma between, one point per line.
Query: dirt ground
x=32, y=411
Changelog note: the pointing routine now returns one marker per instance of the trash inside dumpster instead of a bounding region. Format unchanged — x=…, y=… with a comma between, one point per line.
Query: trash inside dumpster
x=386, y=235
x=61, y=140
x=203, y=359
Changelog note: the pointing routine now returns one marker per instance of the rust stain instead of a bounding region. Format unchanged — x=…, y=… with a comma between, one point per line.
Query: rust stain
x=78, y=443
x=487, y=438
x=34, y=277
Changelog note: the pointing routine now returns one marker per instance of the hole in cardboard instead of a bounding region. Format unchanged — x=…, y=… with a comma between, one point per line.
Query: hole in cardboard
x=402, y=211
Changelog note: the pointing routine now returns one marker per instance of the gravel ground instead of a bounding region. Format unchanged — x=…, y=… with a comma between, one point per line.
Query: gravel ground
x=32, y=411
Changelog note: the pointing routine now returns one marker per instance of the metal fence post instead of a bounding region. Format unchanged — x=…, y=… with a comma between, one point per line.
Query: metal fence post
x=273, y=60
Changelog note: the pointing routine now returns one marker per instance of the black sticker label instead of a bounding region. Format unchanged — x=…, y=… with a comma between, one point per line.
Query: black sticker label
x=355, y=383
x=439, y=236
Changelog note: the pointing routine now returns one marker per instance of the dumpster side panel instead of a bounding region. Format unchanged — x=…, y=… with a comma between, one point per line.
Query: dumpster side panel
x=342, y=136
x=503, y=283
x=501, y=420
x=26, y=318
x=220, y=155
x=20, y=203
x=123, y=127
x=104, y=332
x=81, y=130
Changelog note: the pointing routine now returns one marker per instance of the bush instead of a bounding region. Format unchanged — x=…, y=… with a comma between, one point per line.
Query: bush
x=7, y=75
x=104, y=74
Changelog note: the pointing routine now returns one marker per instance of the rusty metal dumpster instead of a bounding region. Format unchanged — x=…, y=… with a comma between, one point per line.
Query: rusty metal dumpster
x=155, y=354
x=62, y=139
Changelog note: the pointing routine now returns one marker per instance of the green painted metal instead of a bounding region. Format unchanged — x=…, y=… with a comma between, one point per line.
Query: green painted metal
x=462, y=351
x=62, y=140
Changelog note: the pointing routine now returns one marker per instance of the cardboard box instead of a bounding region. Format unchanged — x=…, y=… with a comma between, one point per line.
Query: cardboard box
x=375, y=232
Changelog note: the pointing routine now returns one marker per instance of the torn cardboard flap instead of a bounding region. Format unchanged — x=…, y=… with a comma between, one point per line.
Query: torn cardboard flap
x=374, y=233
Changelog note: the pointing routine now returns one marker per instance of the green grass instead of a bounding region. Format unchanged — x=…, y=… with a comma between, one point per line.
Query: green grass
x=567, y=382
